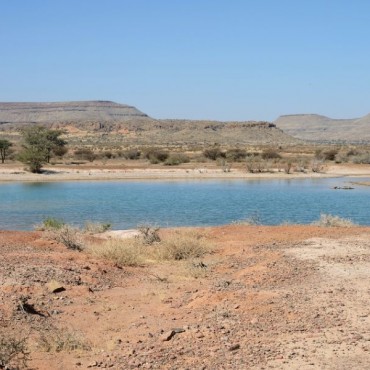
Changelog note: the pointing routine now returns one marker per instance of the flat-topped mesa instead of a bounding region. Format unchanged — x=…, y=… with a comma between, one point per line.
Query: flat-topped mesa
x=57, y=112
x=315, y=127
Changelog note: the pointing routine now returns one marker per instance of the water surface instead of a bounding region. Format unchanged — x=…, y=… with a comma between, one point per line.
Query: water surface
x=177, y=203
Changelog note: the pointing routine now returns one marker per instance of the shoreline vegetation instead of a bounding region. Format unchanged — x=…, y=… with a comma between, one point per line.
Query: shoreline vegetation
x=16, y=173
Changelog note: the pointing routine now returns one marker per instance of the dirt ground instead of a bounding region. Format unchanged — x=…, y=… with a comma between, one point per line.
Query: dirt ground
x=283, y=297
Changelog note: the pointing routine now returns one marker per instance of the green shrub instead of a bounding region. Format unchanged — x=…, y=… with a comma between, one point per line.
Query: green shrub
x=85, y=154
x=236, y=155
x=156, y=155
x=361, y=158
x=176, y=158
x=50, y=223
x=108, y=154
x=132, y=154
x=213, y=153
x=329, y=155
x=270, y=154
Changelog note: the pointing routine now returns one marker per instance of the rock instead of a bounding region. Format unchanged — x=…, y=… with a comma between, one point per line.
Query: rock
x=166, y=336
x=234, y=347
x=55, y=287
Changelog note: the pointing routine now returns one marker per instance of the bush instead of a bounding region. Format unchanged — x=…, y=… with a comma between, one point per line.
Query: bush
x=177, y=245
x=236, y=155
x=329, y=155
x=13, y=351
x=255, y=164
x=69, y=236
x=213, y=153
x=176, y=159
x=108, y=154
x=50, y=223
x=58, y=340
x=85, y=154
x=132, y=154
x=317, y=166
x=96, y=227
x=122, y=252
x=148, y=234
x=361, y=159
x=327, y=220
x=270, y=154
x=182, y=245
x=156, y=155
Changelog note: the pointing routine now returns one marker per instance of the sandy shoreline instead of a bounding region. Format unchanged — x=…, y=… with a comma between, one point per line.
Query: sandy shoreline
x=18, y=174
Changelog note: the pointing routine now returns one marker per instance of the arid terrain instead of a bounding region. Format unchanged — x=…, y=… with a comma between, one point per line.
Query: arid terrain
x=124, y=124
x=284, y=297
x=315, y=127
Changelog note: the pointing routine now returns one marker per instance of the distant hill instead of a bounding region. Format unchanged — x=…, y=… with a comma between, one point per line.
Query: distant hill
x=135, y=127
x=26, y=113
x=320, y=128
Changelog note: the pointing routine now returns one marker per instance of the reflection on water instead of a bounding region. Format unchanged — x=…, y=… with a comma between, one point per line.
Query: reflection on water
x=173, y=203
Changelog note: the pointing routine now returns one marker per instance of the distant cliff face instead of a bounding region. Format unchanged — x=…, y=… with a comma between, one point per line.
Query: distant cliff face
x=320, y=128
x=12, y=113
x=135, y=127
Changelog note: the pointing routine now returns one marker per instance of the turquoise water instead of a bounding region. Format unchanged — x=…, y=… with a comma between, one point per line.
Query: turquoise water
x=176, y=203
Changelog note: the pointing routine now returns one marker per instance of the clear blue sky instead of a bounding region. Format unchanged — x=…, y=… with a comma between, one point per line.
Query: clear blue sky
x=216, y=59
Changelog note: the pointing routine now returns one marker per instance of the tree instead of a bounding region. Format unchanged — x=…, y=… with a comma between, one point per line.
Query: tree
x=39, y=144
x=4, y=146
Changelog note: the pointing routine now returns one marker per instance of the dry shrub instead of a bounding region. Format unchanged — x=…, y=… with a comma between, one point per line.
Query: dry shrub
x=327, y=220
x=148, y=234
x=270, y=154
x=182, y=245
x=176, y=245
x=68, y=236
x=96, y=227
x=123, y=252
x=58, y=340
x=197, y=269
x=13, y=351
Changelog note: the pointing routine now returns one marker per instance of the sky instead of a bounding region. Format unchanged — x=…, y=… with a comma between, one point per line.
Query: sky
x=195, y=59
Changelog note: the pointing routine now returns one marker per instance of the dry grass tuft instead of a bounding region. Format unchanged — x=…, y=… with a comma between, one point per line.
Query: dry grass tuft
x=175, y=245
x=58, y=340
x=96, y=227
x=123, y=252
x=327, y=220
x=13, y=351
x=69, y=236
x=182, y=245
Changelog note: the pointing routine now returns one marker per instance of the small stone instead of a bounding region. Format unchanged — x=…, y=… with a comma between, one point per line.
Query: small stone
x=168, y=335
x=55, y=287
x=234, y=347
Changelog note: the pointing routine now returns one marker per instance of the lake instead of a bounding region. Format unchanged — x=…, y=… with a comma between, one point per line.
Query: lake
x=126, y=204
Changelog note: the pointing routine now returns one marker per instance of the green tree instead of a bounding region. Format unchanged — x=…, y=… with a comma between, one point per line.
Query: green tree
x=39, y=144
x=4, y=146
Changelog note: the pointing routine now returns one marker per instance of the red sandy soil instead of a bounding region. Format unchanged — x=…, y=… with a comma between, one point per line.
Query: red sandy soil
x=284, y=297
